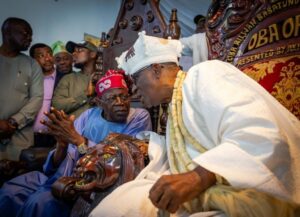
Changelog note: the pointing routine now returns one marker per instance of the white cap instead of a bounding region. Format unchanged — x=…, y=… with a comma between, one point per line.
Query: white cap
x=148, y=50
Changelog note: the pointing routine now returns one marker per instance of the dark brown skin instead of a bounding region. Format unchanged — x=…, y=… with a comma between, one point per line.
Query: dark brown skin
x=61, y=126
x=170, y=191
x=156, y=77
x=85, y=60
x=63, y=62
x=44, y=57
x=115, y=104
x=16, y=37
x=6, y=129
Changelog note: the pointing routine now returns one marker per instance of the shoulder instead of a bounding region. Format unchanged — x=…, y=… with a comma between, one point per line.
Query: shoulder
x=210, y=70
x=193, y=38
x=70, y=75
x=25, y=59
x=139, y=112
x=89, y=112
x=219, y=82
x=67, y=78
x=81, y=120
x=29, y=65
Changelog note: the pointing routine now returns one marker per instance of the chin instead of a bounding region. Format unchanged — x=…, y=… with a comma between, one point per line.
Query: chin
x=65, y=71
x=120, y=119
x=24, y=48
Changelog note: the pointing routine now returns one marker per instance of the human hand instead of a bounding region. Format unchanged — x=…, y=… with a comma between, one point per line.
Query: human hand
x=91, y=85
x=90, y=89
x=62, y=127
x=170, y=191
x=6, y=129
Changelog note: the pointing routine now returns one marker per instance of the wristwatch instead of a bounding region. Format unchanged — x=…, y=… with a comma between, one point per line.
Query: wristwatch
x=13, y=122
x=82, y=148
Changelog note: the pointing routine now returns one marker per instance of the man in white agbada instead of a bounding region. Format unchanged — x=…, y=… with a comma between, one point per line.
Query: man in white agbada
x=232, y=149
x=196, y=44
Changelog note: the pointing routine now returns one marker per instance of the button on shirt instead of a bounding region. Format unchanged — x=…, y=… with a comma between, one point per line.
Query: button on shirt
x=49, y=81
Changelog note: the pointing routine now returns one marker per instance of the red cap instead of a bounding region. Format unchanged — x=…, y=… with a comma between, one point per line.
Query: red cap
x=111, y=79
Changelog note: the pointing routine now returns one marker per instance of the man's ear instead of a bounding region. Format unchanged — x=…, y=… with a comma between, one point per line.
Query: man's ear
x=93, y=54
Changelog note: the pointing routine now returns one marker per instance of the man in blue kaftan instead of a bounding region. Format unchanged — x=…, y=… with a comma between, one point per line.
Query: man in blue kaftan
x=30, y=194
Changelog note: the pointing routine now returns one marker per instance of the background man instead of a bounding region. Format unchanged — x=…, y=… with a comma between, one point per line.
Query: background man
x=73, y=91
x=42, y=53
x=21, y=92
x=63, y=60
x=196, y=44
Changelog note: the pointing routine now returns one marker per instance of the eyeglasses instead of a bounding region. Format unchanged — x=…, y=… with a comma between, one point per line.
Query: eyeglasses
x=79, y=49
x=136, y=75
x=113, y=99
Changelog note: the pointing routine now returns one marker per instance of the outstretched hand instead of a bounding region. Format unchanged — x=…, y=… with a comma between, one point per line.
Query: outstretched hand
x=170, y=191
x=62, y=127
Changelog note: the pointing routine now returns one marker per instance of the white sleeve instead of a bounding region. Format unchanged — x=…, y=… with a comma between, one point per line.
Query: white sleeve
x=187, y=43
x=250, y=149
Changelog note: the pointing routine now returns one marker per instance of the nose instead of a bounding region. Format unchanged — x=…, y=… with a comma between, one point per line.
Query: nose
x=119, y=101
x=48, y=57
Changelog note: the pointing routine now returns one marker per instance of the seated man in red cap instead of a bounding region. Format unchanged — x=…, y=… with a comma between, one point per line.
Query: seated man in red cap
x=30, y=194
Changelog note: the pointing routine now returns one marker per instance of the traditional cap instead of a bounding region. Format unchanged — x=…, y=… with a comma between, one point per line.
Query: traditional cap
x=112, y=79
x=58, y=47
x=148, y=50
x=86, y=44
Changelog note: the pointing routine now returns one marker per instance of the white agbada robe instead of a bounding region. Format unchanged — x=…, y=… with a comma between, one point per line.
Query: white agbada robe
x=253, y=141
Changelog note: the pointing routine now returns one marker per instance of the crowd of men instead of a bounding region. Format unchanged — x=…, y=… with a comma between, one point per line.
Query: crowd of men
x=226, y=135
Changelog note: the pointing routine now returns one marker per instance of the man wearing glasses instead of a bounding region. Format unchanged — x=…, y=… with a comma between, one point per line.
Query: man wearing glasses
x=72, y=93
x=30, y=193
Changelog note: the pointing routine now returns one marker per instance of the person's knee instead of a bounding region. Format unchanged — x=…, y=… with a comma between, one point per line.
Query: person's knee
x=7, y=204
x=43, y=203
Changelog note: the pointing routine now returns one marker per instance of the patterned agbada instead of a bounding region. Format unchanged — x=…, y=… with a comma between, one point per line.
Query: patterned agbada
x=30, y=194
x=252, y=142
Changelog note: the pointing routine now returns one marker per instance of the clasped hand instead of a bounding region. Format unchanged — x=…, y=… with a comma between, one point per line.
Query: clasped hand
x=61, y=126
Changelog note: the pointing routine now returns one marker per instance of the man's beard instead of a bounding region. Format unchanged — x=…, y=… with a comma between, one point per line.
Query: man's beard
x=79, y=65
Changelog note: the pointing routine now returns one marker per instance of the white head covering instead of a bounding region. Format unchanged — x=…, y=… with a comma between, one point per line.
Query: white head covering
x=148, y=50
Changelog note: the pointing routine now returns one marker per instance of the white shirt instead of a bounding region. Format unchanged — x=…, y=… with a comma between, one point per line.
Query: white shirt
x=195, y=46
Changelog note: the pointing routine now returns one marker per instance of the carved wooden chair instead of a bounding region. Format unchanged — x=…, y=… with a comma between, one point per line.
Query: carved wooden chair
x=262, y=38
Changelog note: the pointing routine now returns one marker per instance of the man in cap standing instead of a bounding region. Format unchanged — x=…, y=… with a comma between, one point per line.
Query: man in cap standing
x=74, y=90
x=30, y=194
x=196, y=44
x=63, y=60
x=223, y=128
